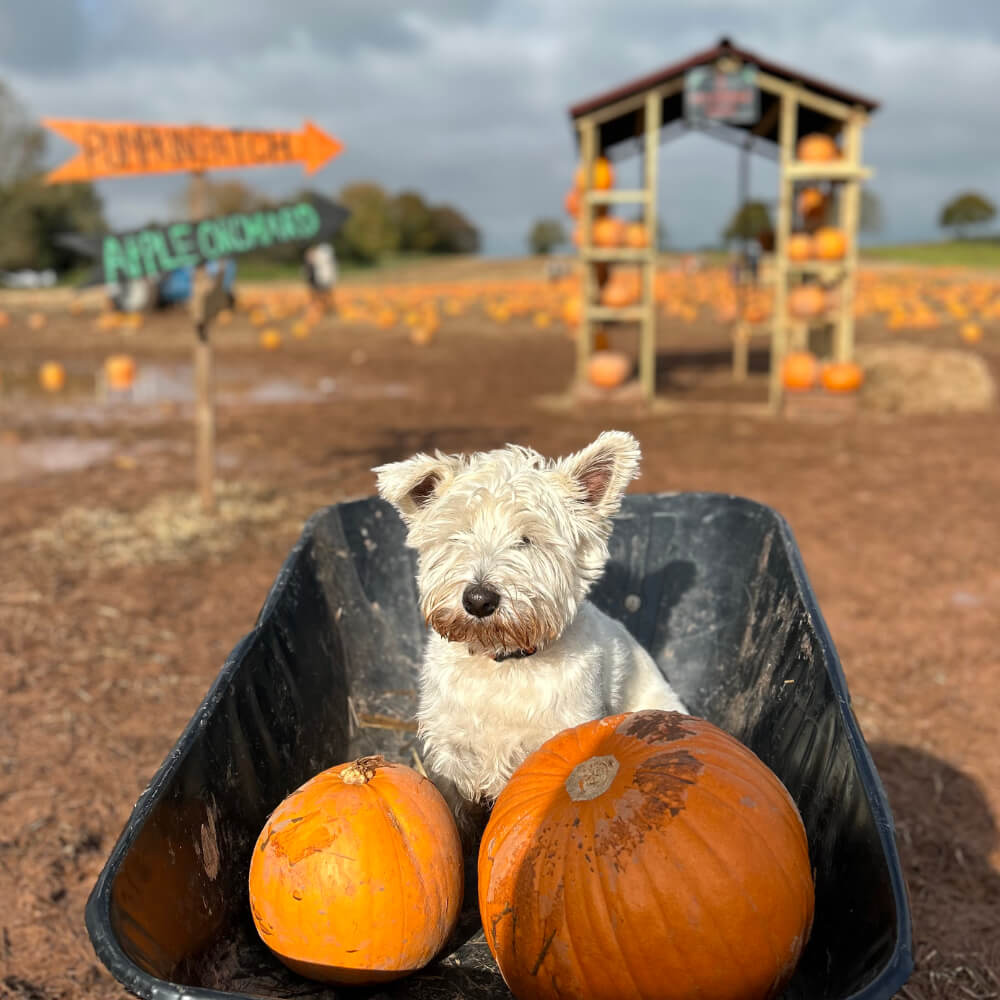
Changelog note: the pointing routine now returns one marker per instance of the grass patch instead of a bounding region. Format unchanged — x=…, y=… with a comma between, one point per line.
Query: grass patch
x=955, y=253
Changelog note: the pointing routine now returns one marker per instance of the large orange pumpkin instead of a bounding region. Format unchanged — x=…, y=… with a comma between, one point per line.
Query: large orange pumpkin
x=807, y=301
x=842, y=376
x=800, y=246
x=645, y=855
x=831, y=243
x=799, y=370
x=817, y=147
x=357, y=875
x=608, y=369
x=636, y=235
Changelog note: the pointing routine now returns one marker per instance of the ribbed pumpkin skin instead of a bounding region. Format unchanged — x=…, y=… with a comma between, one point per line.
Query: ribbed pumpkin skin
x=688, y=876
x=358, y=883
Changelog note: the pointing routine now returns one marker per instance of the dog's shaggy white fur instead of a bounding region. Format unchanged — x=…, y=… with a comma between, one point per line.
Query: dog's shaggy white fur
x=508, y=545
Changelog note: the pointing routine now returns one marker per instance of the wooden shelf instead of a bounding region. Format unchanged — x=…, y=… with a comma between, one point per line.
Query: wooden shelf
x=639, y=255
x=623, y=314
x=616, y=197
x=835, y=171
x=824, y=269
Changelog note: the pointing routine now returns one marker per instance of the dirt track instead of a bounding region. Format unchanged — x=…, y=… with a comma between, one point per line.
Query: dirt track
x=111, y=629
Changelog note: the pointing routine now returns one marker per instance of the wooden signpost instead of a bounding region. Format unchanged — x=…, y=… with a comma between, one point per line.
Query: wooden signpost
x=122, y=149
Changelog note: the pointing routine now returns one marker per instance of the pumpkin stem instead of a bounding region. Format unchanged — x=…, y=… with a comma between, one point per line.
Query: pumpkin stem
x=362, y=770
x=592, y=777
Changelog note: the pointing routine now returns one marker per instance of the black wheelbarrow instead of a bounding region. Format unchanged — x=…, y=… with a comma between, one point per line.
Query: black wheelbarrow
x=713, y=586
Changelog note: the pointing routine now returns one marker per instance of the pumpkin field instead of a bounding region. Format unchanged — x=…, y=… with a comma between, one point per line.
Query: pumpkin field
x=120, y=599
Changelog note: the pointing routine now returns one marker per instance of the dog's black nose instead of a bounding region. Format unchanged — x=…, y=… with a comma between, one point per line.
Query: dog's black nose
x=480, y=600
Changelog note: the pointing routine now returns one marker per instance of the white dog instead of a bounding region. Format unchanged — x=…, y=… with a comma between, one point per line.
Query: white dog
x=508, y=546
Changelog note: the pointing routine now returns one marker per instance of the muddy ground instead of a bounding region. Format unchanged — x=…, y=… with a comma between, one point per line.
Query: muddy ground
x=119, y=603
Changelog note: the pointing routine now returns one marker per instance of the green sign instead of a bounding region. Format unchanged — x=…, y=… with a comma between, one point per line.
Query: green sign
x=153, y=250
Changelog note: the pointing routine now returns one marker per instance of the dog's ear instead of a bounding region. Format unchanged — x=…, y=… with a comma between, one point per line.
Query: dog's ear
x=411, y=485
x=604, y=469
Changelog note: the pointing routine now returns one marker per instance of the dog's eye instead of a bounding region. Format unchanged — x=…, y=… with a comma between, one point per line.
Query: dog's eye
x=525, y=541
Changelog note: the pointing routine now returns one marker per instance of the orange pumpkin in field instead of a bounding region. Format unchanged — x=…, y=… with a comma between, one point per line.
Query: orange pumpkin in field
x=357, y=876
x=572, y=311
x=800, y=246
x=831, y=243
x=608, y=369
x=52, y=376
x=270, y=339
x=119, y=370
x=799, y=370
x=648, y=855
x=817, y=147
x=807, y=301
x=842, y=376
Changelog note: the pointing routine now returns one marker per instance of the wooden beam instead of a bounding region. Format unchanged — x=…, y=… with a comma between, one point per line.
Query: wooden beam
x=585, y=333
x=647, y=333
x=804, y=96
x=779, y=329
x=636, y=102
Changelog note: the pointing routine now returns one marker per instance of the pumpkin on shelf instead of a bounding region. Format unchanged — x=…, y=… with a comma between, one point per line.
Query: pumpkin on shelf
x=636, y=235
x=357, y=876
x=800, y=247
x=817, y=147
x=609, y=232
x=811, y=203
x=842, y=376
x=608, y=369
x=830, y=243
x=572, y=202
x=807, y=301
x=622, y=289
x=799, y=371
x=603, y=175
x=648, y=813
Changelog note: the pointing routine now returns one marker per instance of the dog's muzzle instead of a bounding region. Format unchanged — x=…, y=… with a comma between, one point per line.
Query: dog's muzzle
x=479, y=600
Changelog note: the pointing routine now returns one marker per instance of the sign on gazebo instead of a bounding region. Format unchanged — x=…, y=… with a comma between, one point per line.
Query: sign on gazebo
x=715, y=94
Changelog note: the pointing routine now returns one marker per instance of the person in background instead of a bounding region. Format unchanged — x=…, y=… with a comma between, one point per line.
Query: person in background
x=321, y=275
x=753, y=260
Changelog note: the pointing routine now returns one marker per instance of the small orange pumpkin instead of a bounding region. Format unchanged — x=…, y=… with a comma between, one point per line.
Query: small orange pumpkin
x=811, y=202
x=119, y=370
x=649, y=849
x=608, y=369
x=52, y=376
x=603, y=175
x=817, y=147
x=572, y=202
x=270, y=339
x=807, y=301
x=800, y=246
x=831, y=243
x=842, y=376
x=36, y=320
x=572, y=310
x=357, y=876
x=971, y=333
x=799, y=370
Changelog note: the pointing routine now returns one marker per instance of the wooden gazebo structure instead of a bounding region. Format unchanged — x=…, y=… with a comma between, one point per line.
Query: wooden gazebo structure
x=639, y=115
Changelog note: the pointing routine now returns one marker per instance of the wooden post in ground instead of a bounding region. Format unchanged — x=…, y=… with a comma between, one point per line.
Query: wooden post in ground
x=850, y=219
x=647, y=329
x=779, y=330
x=585, y=332
x=204, y=403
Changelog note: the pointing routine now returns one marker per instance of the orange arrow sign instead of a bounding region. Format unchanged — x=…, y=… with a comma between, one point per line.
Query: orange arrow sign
x=119, y=149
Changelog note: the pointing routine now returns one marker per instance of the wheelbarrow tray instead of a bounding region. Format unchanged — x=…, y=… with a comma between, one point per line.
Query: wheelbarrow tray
x=712, y=585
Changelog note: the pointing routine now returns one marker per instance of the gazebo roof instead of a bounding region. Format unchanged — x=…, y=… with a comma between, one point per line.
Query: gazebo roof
x=628, y=124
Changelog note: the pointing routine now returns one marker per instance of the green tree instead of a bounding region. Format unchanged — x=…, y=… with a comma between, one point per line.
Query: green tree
x=413, y=218
x=219, y=198
x=967, y=209
x=22, y=143
x=371, y=231
x=749, y=221
x=453, y=233
x=545, y=236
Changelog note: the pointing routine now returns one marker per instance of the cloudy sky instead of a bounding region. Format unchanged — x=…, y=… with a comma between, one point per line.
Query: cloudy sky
x=466, y=100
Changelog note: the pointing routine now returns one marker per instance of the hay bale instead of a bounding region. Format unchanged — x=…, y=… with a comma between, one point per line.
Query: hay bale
x=913, y=378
